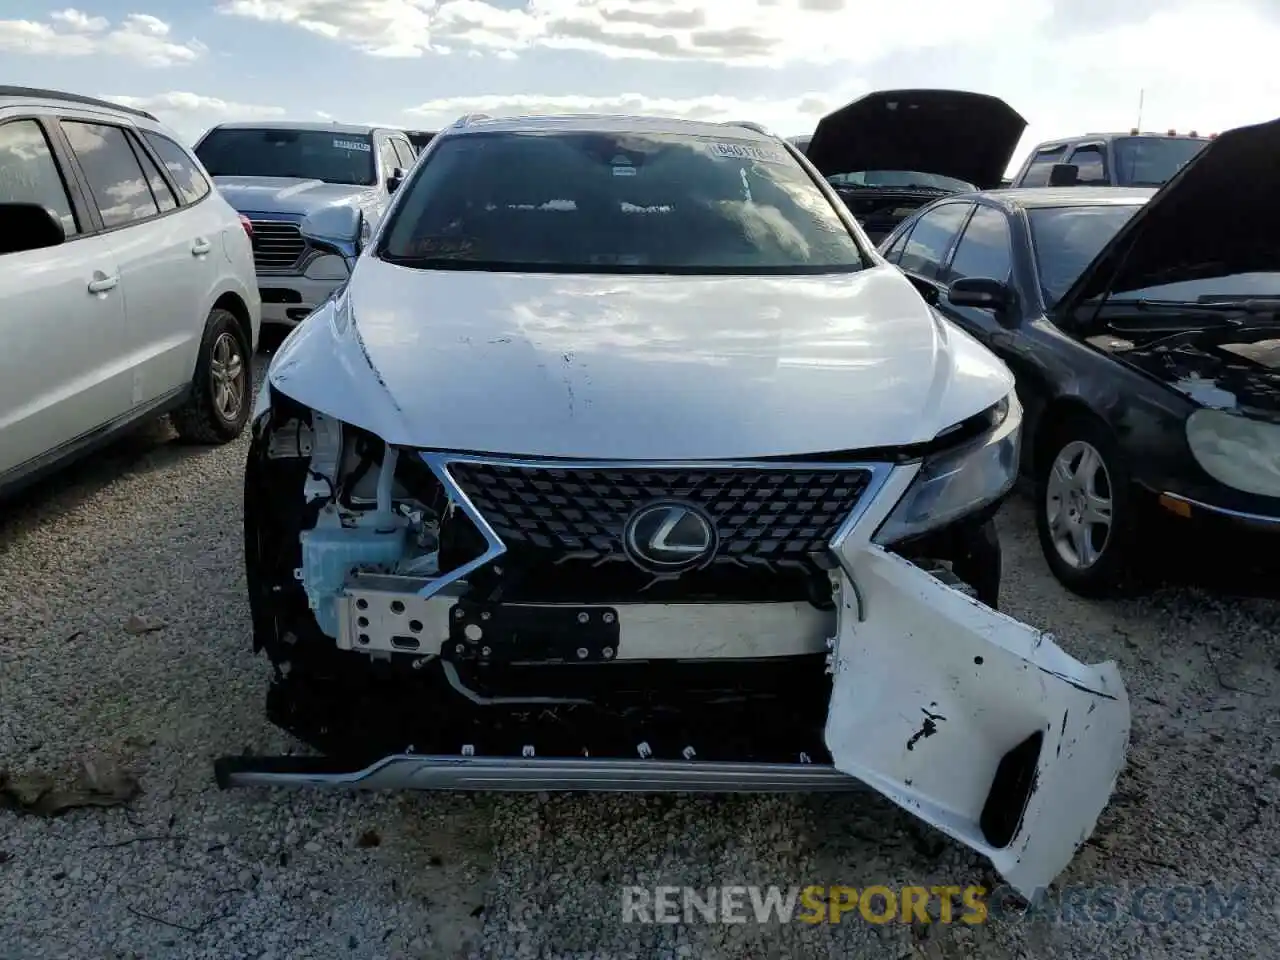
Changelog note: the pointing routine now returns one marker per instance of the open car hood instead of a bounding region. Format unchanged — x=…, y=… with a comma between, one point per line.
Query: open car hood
x=1214, y=218
x=954, y=133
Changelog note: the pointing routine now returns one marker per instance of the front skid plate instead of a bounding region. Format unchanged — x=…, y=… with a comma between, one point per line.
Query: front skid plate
x=932, y=690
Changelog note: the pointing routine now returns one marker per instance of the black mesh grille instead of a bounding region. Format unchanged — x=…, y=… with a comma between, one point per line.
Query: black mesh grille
x=761, y=515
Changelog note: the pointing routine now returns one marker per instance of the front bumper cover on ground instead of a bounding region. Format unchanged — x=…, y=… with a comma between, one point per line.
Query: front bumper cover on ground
x=978, y=724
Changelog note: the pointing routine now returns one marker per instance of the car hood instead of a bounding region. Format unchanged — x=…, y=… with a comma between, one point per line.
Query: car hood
x=954, y=133
x=288, y=194
x=1211, y=219
x=630, y=367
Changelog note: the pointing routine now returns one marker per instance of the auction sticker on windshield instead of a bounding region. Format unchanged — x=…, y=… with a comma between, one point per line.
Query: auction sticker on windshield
x=352, y=145
x=747, y=151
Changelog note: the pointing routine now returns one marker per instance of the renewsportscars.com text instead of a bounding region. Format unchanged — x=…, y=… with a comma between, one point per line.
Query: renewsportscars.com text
x=937, y=904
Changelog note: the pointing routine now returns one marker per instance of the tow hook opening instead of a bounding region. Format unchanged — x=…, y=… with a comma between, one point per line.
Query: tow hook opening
x=1011, y=790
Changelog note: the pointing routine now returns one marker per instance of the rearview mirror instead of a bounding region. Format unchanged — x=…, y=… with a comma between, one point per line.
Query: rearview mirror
x=28, y=226
x=334, y=230
x=981, y=293
x=1064, y=175
x=396, y=178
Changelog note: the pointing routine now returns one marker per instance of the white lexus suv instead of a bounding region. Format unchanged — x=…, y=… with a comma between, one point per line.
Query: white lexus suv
x=127, y=284
x=623, y=461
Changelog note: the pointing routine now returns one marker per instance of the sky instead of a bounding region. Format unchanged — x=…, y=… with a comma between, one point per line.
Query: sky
x=1068, y=66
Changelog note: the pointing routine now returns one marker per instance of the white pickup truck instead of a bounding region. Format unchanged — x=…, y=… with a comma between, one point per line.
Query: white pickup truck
x=279, y=173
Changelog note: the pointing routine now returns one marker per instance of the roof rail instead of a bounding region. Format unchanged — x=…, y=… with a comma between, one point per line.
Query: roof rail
x=467, y=119
x=750, y=125
x=37, y=93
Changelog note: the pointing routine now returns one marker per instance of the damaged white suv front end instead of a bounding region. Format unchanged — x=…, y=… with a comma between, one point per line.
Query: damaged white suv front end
x=549, y=500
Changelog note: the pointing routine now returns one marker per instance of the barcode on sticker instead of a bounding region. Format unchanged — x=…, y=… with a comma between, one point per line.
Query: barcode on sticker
x=352, y=145
x=747, y=151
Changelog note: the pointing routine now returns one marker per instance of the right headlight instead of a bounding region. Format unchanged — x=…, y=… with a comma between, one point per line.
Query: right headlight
x=1243, y=454
x=961, y=479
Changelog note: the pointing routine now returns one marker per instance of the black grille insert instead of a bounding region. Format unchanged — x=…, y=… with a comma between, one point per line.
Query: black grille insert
x=762, y=515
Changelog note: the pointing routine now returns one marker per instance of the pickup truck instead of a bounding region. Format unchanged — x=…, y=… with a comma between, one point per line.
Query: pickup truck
x=1132, y=159
x=276, y=174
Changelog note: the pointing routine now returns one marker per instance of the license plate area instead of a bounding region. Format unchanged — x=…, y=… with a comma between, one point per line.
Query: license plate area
x=531, y=633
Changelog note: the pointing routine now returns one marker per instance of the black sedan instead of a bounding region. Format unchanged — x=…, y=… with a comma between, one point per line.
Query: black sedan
x=1144, y=331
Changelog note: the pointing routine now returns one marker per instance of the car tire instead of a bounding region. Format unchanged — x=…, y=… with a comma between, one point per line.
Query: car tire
x=222, y=388
x=1083, y=503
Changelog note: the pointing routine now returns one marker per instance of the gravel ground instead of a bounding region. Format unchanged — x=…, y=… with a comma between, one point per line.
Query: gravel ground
x=147, y=536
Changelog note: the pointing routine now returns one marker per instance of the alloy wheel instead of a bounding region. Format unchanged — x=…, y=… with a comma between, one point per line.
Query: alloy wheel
x=228, y=376
x=1078, y=504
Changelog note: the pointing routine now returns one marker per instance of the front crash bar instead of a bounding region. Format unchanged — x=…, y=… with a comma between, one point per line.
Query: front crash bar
x=510, y=774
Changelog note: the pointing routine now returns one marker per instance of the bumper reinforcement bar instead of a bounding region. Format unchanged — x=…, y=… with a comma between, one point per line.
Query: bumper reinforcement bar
x=511, y=774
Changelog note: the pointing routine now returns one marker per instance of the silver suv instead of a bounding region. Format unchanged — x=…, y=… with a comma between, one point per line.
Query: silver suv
x=127, y=283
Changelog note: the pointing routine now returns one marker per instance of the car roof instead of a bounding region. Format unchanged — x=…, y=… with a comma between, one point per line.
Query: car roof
x=331, y=126
x=60, y=98
x=109, y=111
x=1031, y=198
x=604, y=123
x=1120, y=135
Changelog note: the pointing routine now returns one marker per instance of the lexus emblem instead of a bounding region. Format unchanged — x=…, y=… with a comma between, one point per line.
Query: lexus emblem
x=669, y=538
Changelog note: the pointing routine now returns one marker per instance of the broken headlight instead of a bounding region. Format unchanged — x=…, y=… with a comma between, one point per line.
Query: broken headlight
x=959, y=480
x=1243, y=454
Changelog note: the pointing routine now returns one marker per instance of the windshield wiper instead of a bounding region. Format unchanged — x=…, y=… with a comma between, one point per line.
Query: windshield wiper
x=451, y=261
x=1216, y=304
x=1189, y=316
x=1249, y=306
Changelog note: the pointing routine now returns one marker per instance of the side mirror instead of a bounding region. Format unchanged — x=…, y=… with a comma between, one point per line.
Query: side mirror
x=981, y=293
x=28, y=226
x=334, y=230
x=1064, y=175
x=396, y=178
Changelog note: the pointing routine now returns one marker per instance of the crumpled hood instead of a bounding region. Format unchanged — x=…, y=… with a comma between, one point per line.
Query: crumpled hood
x=288, y=194
x=637, y=367
x=1216, y=217
x=953, y=133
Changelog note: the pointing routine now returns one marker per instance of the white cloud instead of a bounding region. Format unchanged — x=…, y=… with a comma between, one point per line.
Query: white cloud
x=191, y=113
x=79, y=21
x=784, y=116
x=763, y=32
x=139, y=37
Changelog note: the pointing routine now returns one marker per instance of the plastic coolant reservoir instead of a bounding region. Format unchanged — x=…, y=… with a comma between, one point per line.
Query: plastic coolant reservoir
x=329, y=553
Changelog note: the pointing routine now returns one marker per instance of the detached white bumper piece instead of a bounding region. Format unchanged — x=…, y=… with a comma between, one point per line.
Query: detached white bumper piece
x=977, y=724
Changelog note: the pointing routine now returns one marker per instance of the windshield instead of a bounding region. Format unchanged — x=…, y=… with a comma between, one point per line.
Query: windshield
x=901, y=178
x=608, y=202
x=1150, y=161
x=306, y=154
x=1066, y=239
